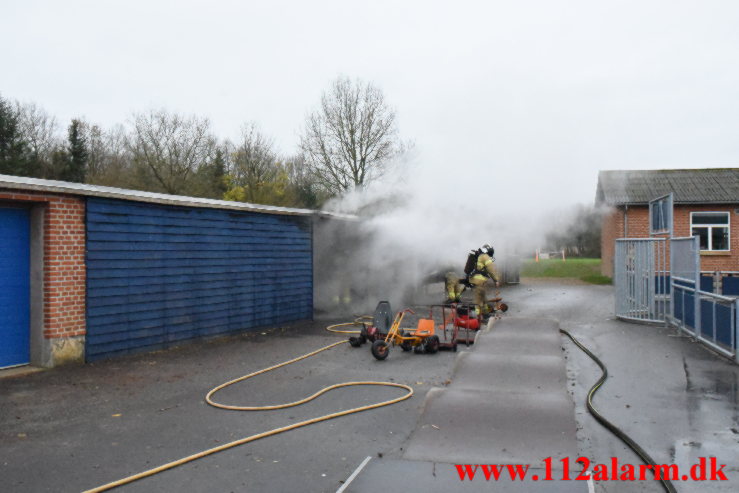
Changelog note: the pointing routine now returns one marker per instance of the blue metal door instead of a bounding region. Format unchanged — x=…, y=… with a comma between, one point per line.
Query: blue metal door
x=14, y=287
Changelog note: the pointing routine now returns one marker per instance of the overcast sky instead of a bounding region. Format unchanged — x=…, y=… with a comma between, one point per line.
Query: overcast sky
x=527, y=98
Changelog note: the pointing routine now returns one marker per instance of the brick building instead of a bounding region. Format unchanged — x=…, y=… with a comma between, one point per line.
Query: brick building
x=89, y=272
x=51, y=281
x=706, y=204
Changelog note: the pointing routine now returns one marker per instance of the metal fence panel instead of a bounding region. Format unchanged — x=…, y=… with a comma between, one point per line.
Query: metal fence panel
x=640, y=279
x=709, y=317
x=647, y=291
x=730, y=286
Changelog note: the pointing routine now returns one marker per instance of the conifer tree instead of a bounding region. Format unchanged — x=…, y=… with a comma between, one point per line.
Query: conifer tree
x=13, y=150
x=77, y=154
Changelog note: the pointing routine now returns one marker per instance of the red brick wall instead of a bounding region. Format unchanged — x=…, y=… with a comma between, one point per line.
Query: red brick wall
x=64, y=261
x=712, y=261
x=634, y=223
x=611, y=228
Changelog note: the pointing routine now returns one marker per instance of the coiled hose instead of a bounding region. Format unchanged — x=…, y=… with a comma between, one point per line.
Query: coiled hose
x=275, y=431
x=358, y=322
x=666, y=483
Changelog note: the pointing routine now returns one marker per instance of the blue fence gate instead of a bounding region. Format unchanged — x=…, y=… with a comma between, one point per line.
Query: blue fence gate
x=641, y=279
x=709, y=317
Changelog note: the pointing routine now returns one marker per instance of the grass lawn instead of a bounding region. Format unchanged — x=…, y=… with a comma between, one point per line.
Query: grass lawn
x=585, y=269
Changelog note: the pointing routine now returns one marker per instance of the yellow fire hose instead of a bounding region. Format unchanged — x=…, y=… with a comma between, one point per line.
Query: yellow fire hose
x=357, y=321
x=209, y=400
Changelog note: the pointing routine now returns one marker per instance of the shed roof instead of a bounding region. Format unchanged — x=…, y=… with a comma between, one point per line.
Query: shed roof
x=39, y=185
x=690, y=186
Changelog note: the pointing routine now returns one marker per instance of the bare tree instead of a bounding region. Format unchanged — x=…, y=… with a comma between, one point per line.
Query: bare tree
x=97, y=151
x=40, y=131
x=170, y=147
x=111, y=161
x=351, y=138
x=302, y=183
x=253, y=158
x=254, y=171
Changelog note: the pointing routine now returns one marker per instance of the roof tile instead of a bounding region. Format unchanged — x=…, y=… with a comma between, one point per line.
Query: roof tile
x=690, y=186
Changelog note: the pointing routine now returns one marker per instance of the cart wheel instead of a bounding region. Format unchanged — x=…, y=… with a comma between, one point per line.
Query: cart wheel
x=361, y=339
x=354, y=342
x=380, y=350
x=432, y=344
x=418, y=349
x=363, y=334
x=503, y=307
x=406, y=346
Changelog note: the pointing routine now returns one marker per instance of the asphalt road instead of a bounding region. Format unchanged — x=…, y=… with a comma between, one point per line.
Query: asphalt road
x=70, y=429
x=676, y=398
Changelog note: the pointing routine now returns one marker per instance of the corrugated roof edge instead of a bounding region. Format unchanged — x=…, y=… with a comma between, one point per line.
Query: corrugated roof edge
x=54, y=186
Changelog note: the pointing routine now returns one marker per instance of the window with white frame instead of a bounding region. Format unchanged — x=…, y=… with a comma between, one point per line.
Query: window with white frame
x=713, y=230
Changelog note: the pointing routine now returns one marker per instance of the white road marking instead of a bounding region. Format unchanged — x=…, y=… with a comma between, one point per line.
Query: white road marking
x=591, y=485
x=354, y=475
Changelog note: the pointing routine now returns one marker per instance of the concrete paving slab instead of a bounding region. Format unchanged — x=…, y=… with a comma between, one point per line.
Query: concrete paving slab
x=401, y=476
x=521, y=336
x=472, y=426
x=506, y=404
x=509, y=372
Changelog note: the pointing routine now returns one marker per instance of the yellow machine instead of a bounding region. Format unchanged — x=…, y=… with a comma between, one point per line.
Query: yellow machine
x=421, y=339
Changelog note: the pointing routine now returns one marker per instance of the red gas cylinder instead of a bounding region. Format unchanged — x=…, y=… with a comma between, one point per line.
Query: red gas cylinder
x=466, y=322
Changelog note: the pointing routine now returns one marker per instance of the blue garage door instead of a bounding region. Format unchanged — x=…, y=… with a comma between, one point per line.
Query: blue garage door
x=15, y=287
x=157, y=275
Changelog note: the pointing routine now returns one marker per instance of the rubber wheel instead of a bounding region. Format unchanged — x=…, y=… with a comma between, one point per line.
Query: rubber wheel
x=432, y=344
x=354, y=342
x=380, y=350
x=362, y=339
x=418, y=349
x=406, y=346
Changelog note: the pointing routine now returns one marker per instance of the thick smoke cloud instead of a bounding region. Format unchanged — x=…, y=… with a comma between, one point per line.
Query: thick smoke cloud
x=410, y=228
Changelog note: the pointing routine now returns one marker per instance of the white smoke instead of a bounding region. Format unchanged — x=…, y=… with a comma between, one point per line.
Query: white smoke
x=415, y=222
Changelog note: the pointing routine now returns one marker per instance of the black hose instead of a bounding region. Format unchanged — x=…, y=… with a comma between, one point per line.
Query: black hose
x=666, y=483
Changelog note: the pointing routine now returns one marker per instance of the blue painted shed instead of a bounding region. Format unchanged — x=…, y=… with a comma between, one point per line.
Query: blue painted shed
x=158, y=269
x=160, y=274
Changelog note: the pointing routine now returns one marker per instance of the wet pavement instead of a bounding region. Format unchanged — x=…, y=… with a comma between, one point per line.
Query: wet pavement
x=675, y=397
x=70, y=429
x=507, y=403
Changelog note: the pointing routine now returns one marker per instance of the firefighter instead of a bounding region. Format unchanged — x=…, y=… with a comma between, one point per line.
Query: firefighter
x=454, y=288
x=483, y=272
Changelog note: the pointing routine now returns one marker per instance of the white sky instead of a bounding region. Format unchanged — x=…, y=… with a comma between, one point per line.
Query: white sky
x=529, y=98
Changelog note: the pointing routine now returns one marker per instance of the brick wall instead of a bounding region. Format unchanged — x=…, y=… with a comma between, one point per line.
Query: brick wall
x=712, y=261
x=611, y=228
x=64, y=261
x=634, y=223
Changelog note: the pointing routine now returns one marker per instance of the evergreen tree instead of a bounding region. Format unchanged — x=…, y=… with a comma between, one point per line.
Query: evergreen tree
x=13, y=150
x=218, y=175
x=77, y=154
x=59, y=165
